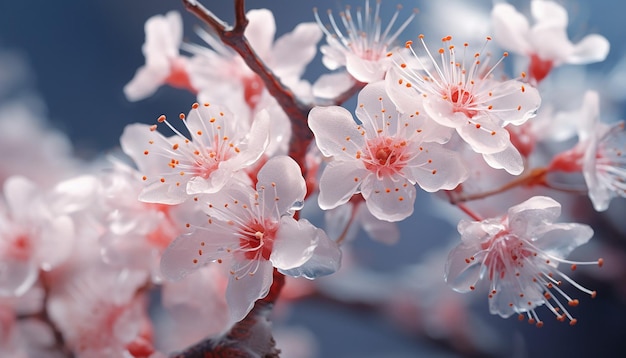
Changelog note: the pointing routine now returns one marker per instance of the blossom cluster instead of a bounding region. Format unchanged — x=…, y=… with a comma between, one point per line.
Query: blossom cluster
x=212, y=209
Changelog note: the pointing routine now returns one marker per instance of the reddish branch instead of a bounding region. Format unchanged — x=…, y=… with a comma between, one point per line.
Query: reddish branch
x=534, y=177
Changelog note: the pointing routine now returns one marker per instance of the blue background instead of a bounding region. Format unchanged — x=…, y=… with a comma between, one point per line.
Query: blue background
x=82, y=53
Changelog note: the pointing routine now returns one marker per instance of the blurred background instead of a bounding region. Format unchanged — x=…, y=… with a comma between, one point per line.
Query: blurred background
x=77, y=55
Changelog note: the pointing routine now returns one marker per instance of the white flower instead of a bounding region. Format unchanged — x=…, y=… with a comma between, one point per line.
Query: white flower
x=33, y=236
x=255, y=231
x=100, y=313
x=363, y=48
x=177, y=167
x=546, y=42
x=599, y=154
x=465, y=96
x=383, y=157
x=518, y=254
x=164, y=64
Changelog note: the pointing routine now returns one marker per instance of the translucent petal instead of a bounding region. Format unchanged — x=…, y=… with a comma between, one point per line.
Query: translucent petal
x=260, y=31
x=533, y=213
x=242, y=292
x=509, y=159
x=461, y=272
x=592, y=48
x=436, y=168
x=337, y=183
x=287, y=62
x=365, y=70
x=551, y=43
x=164, y=34
x=484, y=136
x=549, y=13
x=379, y=230
x=17, y=276
x=336, y=132
x=389, y=199
x=19, y=193
x=331, y=85
x=294, y=243
x=405, y=98
x=193, y=250
x=441, y=111
x=324, y=259
x=283, y=182
x=562, y=238
x=376, y=111
x=510, y=28
x=146, y=82
x=514, y=102
x=56, y=242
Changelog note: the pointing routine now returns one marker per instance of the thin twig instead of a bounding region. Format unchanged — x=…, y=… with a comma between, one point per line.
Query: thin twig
x=536, y=176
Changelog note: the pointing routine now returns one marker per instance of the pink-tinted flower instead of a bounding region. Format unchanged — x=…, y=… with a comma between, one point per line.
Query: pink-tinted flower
x=546, y=43
x=33, y=236
x=599, y=154
x=100, y=314
x=383, y=157
x=178, y=167
x=463, y=93
x=363, y=44
x=136, y=233
x=254, y=230
x=164, y=64
x=518, y=255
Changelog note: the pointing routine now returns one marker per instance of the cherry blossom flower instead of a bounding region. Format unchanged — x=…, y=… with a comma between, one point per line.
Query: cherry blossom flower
x=465, y=96
x=546, y=43
x=176, y=167
x=100, y=314
x=164, y=64
x=287, y=58
x=383, y=157
x=136, y=233
x=33, y=236
x=255, y=231
x=599, y=154
x=363, y=48
x=518, y=254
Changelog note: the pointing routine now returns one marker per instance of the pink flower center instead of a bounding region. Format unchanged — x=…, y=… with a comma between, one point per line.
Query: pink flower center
x=506, y=251
x=19, y=248
x=538, y=68
x=209, y=161
x=253, y=88
x=462, y=100
x=179, y=78
x=257, y=239
x=385, y=155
